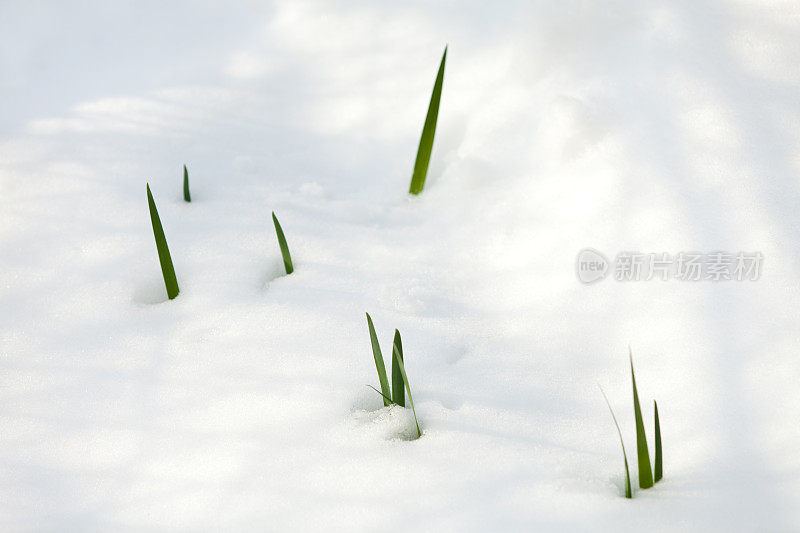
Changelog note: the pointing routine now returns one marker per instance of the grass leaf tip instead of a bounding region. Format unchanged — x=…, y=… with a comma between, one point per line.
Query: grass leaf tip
x=287, y=258
x=164, y=258
x=425, y=148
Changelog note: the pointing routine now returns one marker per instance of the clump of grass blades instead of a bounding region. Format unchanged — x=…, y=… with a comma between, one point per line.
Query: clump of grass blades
x=287, y=259
x=186, y=196
x=428, y=132
x=164, y=258
x=400, y=386
x=647, y=477
x=628, y=492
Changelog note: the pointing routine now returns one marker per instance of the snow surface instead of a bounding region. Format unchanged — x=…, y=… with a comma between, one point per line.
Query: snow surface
x=649, y=126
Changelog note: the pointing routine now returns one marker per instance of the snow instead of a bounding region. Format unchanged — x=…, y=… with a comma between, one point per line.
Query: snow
x=644, y=126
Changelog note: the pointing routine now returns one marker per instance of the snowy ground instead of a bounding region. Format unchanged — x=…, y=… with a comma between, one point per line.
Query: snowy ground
x=648, y=126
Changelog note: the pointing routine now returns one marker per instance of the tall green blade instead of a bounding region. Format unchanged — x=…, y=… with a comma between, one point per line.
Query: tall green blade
x=287, y=259
x=428, y=131
x=398, y=393
x=186, y=195
x=628, y=492
x=164, y=258
x=658, y=469
x=399, y=359
x=645, y=471
x=376, y=353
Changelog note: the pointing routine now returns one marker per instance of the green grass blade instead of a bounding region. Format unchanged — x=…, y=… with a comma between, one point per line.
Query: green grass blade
x=385, y=398
x=398, y=392
x=287, y=259
x=628, y=492
x=658, y=469
x=186, y=195
x=376, y=353
x=428, y=131
x=645, y=471
x=164, y=258
x=408, y=387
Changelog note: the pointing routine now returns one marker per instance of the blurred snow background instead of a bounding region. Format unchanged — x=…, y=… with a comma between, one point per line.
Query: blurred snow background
x=651, y=126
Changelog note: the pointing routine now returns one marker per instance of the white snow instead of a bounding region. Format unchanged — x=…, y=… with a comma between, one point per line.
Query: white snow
x=646, y=126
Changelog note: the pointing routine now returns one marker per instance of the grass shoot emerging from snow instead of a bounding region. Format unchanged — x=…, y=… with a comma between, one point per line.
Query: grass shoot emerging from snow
x=428, y=131
x=376, y=353
x=398, y=391
x=646, y=475
x=658, y=473
x=287, y=259
x=400, y=386
x=398, y=358
x=164, y=258
x=186, y=195
x=643, y=456
x=628, y=492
